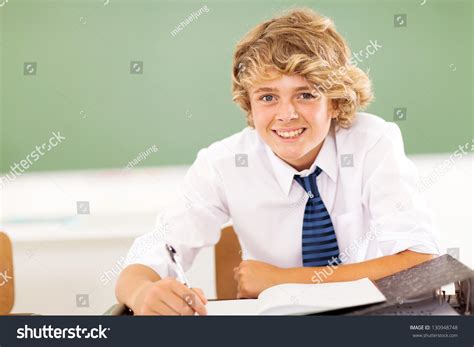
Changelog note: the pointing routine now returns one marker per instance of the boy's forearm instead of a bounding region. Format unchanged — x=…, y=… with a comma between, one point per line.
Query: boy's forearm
x=131, y=280
x=374, y=269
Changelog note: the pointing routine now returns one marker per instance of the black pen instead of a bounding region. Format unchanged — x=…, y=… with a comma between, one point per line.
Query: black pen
x=179, y=269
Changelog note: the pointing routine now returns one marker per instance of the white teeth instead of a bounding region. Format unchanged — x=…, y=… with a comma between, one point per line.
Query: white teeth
x=289, y=134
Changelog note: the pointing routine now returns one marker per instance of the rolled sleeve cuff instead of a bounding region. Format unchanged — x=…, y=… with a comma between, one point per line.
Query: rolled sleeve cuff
x=396, y=242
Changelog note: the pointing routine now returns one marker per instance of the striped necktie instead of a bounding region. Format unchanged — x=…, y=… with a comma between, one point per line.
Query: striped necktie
x=319, y=239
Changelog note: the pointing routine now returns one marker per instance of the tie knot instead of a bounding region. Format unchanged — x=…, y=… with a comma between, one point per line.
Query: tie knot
x=312, y=175
x=309, y=183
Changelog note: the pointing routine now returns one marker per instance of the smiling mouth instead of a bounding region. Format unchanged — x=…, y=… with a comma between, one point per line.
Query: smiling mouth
x=287, y=135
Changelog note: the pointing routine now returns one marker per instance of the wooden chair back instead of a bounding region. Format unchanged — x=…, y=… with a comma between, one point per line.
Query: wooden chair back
x=7, y=293
x=228, y=256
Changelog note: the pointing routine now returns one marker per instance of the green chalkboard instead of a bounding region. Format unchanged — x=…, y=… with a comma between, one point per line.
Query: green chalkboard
x=177, y=96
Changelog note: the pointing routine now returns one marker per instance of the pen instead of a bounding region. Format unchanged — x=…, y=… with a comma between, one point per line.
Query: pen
x=179, y=269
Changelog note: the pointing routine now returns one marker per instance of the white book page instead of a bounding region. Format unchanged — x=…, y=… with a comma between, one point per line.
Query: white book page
x=293, y=298
x=242, y=307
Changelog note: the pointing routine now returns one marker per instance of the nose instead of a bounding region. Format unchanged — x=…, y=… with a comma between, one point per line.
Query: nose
x=286, y=112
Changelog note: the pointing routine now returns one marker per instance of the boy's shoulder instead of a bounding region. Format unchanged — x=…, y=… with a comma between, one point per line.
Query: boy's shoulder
x=369, y=123
x=367, y=129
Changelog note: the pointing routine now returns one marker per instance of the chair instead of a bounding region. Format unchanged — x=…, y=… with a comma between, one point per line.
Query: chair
x=228, y=256
x=7, y=279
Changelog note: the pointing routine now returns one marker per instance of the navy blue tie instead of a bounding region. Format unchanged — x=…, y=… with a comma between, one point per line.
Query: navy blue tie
x=319, y=239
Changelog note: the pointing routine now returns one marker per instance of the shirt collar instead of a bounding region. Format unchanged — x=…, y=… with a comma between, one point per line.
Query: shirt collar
x=326, y=160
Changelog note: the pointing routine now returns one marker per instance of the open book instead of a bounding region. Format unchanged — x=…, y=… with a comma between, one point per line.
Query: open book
x=299, y=299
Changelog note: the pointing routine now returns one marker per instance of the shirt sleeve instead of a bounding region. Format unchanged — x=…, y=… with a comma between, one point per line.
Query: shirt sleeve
x=399, y=215
x=190, y=224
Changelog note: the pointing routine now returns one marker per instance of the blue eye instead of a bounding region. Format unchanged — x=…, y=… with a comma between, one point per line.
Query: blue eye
x=307, y=96
x=267, y=98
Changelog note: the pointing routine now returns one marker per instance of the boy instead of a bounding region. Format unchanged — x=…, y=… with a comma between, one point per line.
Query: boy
x=316, y=191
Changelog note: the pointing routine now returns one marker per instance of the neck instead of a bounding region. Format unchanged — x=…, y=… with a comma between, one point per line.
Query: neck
x=307, y=160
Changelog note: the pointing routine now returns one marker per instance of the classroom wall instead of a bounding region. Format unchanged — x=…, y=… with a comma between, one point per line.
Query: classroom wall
x=83, y=87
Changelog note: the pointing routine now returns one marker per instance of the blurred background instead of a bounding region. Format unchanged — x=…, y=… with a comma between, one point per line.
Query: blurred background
x=105, y=103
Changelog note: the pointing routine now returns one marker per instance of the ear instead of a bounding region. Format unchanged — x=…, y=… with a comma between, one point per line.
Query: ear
x=250, y=120
x=333, y=110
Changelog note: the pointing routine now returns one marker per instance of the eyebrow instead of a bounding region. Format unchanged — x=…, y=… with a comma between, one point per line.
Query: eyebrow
x=267, y=89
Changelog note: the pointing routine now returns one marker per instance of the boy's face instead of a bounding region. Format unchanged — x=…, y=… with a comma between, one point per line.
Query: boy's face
x=290, y=119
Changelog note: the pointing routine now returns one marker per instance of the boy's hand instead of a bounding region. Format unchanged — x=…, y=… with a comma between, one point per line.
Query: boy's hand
x=169, y=297
x=254, y=276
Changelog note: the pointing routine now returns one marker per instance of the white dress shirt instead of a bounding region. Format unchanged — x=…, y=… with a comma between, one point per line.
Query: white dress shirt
x=367, y=184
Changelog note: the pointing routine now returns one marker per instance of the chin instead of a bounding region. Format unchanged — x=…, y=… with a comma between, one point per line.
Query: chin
x=289, y=157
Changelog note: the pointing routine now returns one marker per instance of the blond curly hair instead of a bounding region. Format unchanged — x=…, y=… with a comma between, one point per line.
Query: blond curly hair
x=304, y=43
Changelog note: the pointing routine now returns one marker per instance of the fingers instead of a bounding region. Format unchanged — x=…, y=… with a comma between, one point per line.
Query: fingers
x=177, y=304
x=201, y=295
x=239, y=283
x=187, y=295
x=160, y=308
x=236, y=274
x=156, y=304
x=170, y=297
x=238, y=291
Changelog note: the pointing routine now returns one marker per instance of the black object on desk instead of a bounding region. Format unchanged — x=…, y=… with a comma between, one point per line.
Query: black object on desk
x=422, y=280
